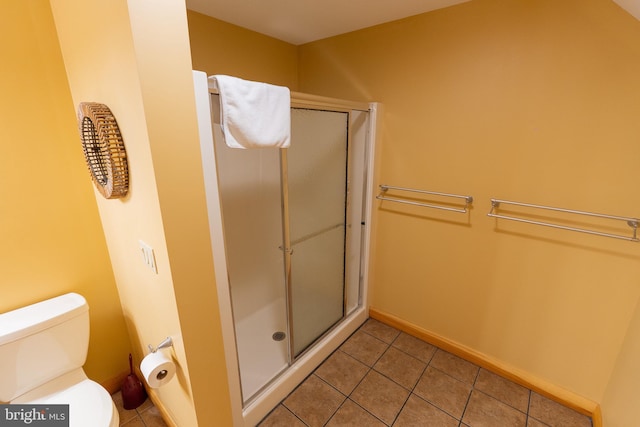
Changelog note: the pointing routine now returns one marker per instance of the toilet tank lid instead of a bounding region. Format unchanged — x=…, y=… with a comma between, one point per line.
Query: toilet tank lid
x=42, y=315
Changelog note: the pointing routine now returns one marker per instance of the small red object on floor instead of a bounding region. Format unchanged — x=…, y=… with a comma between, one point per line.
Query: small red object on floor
x=133, y=392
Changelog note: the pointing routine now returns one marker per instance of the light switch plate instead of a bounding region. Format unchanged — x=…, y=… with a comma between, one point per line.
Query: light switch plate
x=148, y=256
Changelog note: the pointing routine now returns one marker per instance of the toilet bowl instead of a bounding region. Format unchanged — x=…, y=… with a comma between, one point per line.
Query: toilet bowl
x=42, y=350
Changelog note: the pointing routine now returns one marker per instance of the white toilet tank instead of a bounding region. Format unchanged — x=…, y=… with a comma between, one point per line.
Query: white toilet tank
x=42, y=341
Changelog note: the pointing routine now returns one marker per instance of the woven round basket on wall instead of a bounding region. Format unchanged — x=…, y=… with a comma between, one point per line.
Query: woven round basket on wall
x=103, y=149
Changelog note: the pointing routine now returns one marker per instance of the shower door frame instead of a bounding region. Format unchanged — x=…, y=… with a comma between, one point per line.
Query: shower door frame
x=287, y=246
x=303, y=365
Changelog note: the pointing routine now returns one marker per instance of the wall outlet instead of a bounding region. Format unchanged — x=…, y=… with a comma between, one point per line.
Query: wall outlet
x=148, y=256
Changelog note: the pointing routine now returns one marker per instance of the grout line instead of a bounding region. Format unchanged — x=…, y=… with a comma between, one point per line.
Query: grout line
x=337, y=409
x=411, y=355
x=529, y=403
x=371, y=368
x=473, y=387
x=466, y=405
x=292, y=413
x=365, y=410
x=475, y=380
x=332, y=386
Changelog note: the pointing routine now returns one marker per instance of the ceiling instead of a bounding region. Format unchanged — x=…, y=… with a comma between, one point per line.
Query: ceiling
x=631, y=6
x=303, y=21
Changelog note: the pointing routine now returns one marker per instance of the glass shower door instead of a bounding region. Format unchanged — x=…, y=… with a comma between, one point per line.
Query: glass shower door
x=317, y=204
x=292, y=222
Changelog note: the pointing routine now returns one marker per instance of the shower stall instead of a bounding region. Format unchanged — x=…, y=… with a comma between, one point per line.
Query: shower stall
x=289, y=231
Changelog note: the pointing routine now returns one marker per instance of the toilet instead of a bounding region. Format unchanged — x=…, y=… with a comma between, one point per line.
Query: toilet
x=43, y=347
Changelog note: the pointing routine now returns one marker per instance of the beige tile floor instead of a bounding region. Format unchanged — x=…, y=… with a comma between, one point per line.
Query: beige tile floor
x=383, y=377
x=146, y=415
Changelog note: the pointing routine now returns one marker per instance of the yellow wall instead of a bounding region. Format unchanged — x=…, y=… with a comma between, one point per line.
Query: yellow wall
x=528, y=101
x=221, y=48
x=135, y=59
x=620, y=403
x=51, y=237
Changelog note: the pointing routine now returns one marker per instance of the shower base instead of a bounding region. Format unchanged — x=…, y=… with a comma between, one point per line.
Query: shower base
x=260, y=357
x=290, y=377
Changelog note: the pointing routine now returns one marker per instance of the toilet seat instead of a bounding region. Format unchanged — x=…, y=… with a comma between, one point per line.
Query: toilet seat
x=89, y=403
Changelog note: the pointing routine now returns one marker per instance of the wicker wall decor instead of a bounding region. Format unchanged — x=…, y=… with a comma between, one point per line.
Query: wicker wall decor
x=103, y=149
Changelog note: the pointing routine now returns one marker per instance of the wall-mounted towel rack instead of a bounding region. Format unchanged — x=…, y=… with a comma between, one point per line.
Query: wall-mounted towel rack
x=384, y=188
x=631, y=222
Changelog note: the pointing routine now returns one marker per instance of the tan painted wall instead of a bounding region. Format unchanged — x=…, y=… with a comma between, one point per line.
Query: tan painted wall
x=51, y=237
x=221, y=48
x=620, y=402
x=135, y=59
x=529, y=101
x=459, y=77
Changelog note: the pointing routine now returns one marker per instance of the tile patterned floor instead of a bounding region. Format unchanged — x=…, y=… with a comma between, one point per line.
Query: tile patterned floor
x=146, y=415
x=383, y=377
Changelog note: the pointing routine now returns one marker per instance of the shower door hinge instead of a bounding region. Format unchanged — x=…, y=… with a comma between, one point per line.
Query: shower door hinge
x=286, y=250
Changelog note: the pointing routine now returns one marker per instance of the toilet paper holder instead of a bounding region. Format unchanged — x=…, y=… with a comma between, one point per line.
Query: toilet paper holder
x=157, y=367
x=167, y=342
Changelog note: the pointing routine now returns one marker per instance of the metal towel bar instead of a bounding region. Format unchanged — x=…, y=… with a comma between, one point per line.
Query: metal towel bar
x=631, y=222
x=383, y=190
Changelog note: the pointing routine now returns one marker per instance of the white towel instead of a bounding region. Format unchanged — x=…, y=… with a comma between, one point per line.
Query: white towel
x=254, y=114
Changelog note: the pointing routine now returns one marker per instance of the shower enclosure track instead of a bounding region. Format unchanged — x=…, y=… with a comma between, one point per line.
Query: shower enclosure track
x=251, y=411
